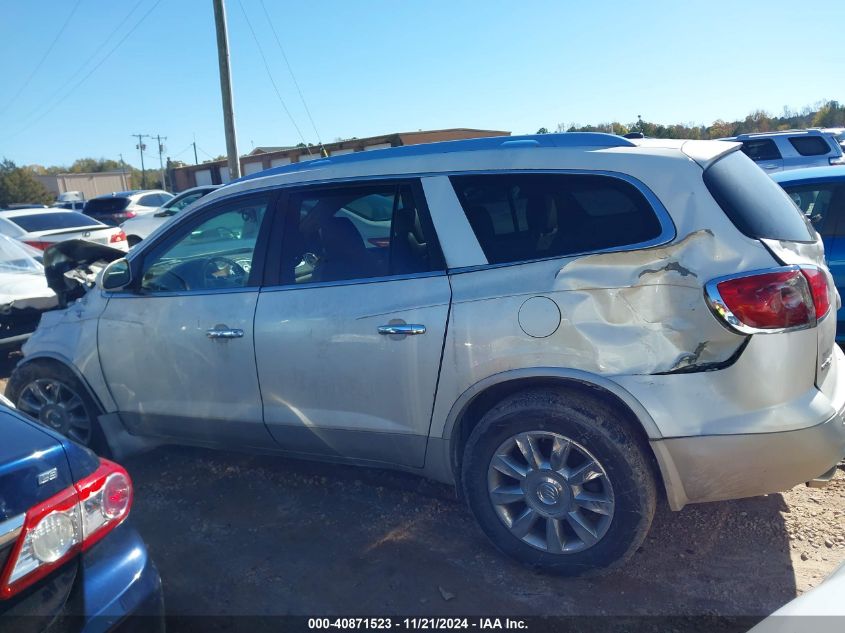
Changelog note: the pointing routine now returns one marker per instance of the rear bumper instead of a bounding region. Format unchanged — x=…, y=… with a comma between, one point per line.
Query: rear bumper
x=120, y=587
x=717, y=467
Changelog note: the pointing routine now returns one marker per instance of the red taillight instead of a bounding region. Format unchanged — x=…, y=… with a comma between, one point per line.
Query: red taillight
x=777, y=299
x=71, y=521
x=120, y=236
x=38, y=244
x=129, y=214
x=817, y=278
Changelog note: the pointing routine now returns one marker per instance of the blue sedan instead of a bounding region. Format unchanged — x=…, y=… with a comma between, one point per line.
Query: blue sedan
x=68, y=557
x=820, y=193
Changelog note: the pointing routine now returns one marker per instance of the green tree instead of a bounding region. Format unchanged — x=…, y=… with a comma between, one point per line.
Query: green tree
x=542, y=130
x=19, y=185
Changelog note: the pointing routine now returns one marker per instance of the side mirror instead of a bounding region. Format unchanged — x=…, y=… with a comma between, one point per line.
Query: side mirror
x=116, y=275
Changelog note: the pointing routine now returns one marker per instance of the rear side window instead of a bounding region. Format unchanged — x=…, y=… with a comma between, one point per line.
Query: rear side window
x=761, y=149
x=153, y=200
x=809, y=145
x=756, y=205
x=519, y=217
x=53, y=221
x=106, y=205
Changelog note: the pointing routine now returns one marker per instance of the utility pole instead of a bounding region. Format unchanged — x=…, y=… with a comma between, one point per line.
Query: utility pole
x=226, y=89
x=141, y=147
x=160, y=138
x=196, y=160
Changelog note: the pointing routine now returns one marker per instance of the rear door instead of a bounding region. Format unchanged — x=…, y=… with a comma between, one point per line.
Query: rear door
x=349, y=337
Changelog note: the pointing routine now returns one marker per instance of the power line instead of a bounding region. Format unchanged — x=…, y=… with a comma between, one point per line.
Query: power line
x=89, y=73
x=43, y=58
x=293, y=76
x=270, y=75
x=70, y=79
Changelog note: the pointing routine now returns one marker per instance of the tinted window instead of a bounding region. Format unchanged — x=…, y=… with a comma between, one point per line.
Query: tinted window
x=755, y=204
x=809, y=145
x=761, y=149
x=357, y=233
x=216, y=253
x=153, y=200
x=179, y=203
x=106, y=205
x=822, y=204
x=519, y=217
x=50, y=221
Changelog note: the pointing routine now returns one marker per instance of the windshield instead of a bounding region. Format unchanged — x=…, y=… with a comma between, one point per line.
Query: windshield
x=181, y=201
x=13, y=258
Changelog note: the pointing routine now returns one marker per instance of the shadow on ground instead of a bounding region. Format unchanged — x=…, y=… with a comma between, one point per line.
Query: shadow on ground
x=241, y=534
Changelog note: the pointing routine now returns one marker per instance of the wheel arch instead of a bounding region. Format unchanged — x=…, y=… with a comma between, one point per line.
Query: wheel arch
x=478, y=399
x=58, y=359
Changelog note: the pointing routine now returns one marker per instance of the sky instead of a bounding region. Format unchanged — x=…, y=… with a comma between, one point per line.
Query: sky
x=370, y=67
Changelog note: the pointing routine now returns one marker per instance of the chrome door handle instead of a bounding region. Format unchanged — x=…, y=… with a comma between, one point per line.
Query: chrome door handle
x=224, y=333
x=402, y=328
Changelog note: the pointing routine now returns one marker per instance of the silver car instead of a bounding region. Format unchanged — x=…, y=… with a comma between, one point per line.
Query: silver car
x=567, y=327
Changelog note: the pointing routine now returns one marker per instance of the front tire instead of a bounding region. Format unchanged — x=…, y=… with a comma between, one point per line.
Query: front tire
x=55, y=397
x=558, y=480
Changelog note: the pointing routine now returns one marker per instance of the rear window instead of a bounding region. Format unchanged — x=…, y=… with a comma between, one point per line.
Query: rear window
x=809, y=145
x=761, y=149
x=106, y=205
x=520, y=217
x=53, y=221
x=754, y=202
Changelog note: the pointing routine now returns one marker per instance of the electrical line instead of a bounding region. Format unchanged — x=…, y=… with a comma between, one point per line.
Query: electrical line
x=89, y=73
x=206, y=153
x=295, y=82
x=43, y=58
x=50, y=100
x=270, y=75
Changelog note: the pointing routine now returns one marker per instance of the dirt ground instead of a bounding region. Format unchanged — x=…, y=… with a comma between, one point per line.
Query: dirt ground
x=318, y=539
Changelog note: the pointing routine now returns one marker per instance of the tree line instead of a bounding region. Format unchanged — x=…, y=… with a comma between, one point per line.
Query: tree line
x=824, y=114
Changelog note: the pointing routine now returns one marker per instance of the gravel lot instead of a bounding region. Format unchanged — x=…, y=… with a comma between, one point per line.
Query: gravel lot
x=307, y=538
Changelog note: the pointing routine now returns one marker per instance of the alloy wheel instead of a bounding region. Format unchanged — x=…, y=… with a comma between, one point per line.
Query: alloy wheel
x=58, y=406
x=550, y=492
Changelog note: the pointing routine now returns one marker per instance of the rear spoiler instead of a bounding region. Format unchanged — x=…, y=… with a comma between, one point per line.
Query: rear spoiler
x=705, y=153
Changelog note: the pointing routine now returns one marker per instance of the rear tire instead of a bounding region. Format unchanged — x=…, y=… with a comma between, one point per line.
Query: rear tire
x=559, y=481
x=52, y=394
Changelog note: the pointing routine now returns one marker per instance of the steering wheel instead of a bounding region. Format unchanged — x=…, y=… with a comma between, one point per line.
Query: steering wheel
x=222, y=269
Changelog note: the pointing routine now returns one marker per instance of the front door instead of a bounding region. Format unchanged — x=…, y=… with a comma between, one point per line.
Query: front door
x=349, y=340
x=177, y=351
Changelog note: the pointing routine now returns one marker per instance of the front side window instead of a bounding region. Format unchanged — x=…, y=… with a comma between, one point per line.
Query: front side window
x=821, y=203
x=761, y=149
x=809, y=145
x=217, y=253
x=520, y=217
x=177, y=204
x=357, y=232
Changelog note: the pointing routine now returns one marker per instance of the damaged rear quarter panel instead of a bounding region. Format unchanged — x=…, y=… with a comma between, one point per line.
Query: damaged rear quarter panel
x=634, y=312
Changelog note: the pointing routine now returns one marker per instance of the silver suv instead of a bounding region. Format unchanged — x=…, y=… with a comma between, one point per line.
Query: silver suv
x=568, y=327
x=791, y=149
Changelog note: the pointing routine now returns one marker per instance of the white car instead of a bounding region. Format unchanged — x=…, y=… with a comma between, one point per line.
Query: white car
x=41, y=228
x=24, y=293
x=117, y=207
x=138, y=228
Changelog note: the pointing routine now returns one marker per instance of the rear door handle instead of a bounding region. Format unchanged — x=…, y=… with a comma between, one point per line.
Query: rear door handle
x=224, y=332
x=402, y=328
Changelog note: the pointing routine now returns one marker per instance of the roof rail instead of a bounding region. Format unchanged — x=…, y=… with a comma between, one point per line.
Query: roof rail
x=567, y=139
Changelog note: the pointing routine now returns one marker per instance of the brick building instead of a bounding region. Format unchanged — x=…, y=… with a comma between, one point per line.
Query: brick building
x=215, y=172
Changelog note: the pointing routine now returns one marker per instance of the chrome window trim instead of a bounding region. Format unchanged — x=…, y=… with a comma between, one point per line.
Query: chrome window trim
x=10, y=529
x=123, y=294
x=353, y=282
x=727, y=318
x=668, y=231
